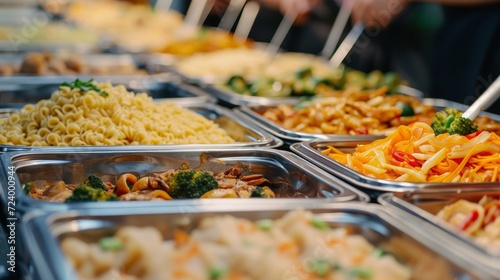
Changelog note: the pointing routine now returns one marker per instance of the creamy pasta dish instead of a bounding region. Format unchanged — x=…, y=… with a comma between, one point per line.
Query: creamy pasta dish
x=96, y=114
x=480, y=220
x=226, y=247
x=414, y=153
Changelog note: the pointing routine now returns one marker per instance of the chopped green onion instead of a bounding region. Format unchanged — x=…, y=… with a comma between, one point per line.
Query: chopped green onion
x=215, y=273
x=84, y=86
x=265, y=224
x=319, y=267
x=319, y=224
x=378, y=253
x=363, y=273
x=27, y=187
x=110, y=244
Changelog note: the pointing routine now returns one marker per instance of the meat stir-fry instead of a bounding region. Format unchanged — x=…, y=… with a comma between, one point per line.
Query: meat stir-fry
x=171, y=184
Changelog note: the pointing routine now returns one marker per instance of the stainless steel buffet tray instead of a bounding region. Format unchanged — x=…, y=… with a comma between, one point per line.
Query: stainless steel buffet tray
x=423, y=205
x=428, y=254
x=311, y=150
x=289, y=175
x=290, y=137
x=237, y=126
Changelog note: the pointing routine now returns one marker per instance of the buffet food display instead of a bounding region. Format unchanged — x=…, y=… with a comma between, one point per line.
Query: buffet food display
x=125, y=131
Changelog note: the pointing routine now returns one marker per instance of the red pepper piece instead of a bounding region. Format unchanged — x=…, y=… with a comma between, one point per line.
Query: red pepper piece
x=406, y=157
x=473, y=134
x=469, y=219
x=361, y=131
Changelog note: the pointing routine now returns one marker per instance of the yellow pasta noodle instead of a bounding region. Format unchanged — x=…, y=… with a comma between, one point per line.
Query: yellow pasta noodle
x=72, y=117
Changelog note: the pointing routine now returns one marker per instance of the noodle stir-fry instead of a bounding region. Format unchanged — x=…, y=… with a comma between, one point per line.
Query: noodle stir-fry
x=414, y=153
x=356, y=112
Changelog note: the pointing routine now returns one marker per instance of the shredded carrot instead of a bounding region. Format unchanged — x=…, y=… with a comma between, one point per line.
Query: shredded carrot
x=189, y=253
x=180, y=238
x=470, y=164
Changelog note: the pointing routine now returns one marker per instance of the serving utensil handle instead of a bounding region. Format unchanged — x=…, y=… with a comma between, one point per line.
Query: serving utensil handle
x=484, y=101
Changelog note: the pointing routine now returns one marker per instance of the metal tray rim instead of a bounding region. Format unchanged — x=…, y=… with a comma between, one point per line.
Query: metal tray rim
x=287, y=134
x=406, y=209
x=26, y=204
x=305, y=149
x=291, y=135
x=34, y=219
x=266, y=140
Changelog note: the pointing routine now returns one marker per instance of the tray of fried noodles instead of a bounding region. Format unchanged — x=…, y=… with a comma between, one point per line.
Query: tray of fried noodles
x=351, y=113
x=412, y=157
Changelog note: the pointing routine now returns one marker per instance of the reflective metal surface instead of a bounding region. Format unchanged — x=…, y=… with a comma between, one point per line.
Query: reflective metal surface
x=423, y=205
x=311, y=150
x=423, y=251
x=290, y=137
x=237, y=126
x=289, y=175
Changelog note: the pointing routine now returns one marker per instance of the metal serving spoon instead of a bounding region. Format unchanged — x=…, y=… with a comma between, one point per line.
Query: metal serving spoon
x=486, y=99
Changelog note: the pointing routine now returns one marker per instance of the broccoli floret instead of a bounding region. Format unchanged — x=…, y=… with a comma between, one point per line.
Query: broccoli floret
x=95, y=182
x=264, y=192
x=91, y=190
x=451, y=121
x=190, y=183
x=86, y=193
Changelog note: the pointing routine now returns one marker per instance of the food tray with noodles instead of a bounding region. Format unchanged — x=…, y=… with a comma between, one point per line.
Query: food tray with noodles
x=422, y=253
x=432, y=206
x=312, y=151
x=290, y=136
x=236, y=126
x=288, y=176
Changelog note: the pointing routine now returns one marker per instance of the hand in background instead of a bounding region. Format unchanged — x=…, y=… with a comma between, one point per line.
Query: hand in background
x=301, y=7
x=376, y=13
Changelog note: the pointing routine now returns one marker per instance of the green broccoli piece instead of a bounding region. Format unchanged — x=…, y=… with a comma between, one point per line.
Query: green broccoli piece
x=86, y=193
x=110, y=244
x=451, y=121
x=190, y=183
x=319, y=267
x=91, y=190
x=27, y=187
x=95, y=182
